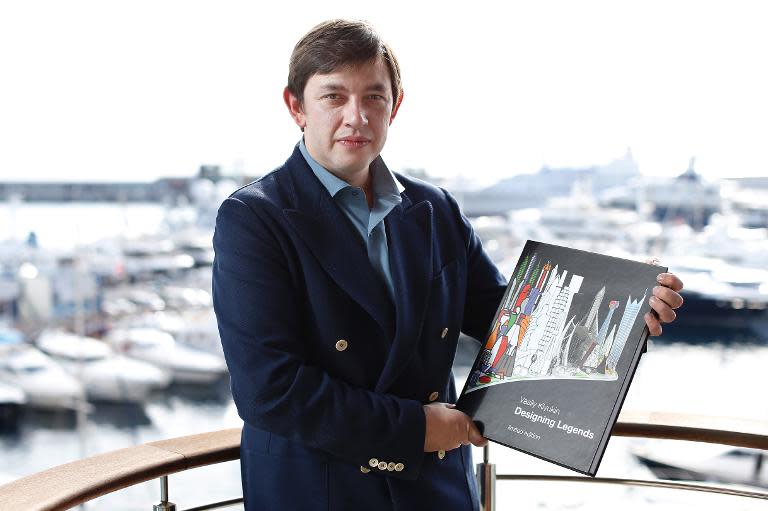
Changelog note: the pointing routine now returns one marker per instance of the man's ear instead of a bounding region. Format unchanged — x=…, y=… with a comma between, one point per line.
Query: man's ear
x=397, y=107
x=295, y=108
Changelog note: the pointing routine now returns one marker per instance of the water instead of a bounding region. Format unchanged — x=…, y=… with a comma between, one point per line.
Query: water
x=46, y=439
x=721, y=375
x=713, y=379
x=62, y=225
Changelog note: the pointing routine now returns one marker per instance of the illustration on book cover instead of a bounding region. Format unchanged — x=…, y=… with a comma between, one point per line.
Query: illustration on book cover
x=538, y=333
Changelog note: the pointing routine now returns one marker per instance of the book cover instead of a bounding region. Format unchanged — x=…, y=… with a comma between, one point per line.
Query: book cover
x=555, y=367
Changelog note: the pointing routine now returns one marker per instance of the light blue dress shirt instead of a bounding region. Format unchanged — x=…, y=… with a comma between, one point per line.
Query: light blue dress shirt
x=368, y=222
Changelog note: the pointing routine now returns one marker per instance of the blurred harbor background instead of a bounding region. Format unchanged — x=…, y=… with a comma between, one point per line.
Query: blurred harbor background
x=631, y=130
x=108, y=336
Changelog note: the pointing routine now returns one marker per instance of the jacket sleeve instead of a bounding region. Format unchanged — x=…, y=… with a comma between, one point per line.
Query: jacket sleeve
x=485, y=284
x=259, y=309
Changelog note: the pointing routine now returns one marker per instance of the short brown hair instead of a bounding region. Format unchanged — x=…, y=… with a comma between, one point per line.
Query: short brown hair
x=334, y=44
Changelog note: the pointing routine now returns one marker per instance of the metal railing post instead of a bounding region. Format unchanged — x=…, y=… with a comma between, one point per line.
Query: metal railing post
x=760, y=457
x=164, y=505
x=486, y=482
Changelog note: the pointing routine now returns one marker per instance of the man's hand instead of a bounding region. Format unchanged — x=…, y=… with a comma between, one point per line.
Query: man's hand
x=448, y=428
x=665, y=299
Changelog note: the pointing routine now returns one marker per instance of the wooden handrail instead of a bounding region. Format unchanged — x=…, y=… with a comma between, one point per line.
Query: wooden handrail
x=697, y=428
x=68, y=485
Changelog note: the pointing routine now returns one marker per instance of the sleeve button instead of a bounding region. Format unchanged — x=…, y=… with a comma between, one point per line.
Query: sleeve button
x=382, y=465
x=365, y=470
x=399, y=467
x=433, y=396
x=441, y=454
x=445, y=332
x=373, y=462
x=341, y=344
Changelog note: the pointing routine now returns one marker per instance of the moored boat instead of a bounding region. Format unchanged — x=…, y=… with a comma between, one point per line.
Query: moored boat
x=106, y=376
x=186, y=365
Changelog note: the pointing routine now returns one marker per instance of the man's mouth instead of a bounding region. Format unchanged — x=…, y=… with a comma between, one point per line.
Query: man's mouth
x=354, y=141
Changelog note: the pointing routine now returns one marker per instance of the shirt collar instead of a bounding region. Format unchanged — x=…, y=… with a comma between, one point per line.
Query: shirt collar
x=331, y=183
x=384, y=184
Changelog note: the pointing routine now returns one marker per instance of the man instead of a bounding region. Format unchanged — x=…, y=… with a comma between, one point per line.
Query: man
x=340, y=290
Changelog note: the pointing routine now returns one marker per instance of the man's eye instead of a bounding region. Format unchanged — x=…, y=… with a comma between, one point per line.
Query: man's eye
x=331, y=96
x=376, y=97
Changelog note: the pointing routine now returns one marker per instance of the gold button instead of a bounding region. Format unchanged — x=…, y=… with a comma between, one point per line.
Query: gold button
x=391, y=466
x=399, y=467
x=445, y=332
x=341, y=344
x=373, y=462
x=441, y=454
x=433, y=396
x=365, y=470
x=382, y=465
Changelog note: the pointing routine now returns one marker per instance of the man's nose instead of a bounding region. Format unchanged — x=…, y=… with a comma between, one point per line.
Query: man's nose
x=354, y=114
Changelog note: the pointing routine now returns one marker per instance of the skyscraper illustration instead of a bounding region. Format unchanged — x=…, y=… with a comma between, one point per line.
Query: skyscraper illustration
x=625, y=326
x=531, y=356
x=599, y=352
x=612, y=306
x=584, y=338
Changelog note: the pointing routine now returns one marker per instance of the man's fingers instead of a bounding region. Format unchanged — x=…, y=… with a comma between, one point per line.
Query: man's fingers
x=665, y=298
x=465, y=440
x=670, y=280
x=671, y=298
x=664, y=312
x=654, y=327
x=449, y=428
x=475, y=438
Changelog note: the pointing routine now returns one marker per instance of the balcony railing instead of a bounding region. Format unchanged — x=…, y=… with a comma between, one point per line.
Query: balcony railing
x=74, y=483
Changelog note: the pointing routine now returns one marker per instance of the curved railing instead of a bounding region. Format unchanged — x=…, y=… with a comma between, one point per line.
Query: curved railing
x=68, y=485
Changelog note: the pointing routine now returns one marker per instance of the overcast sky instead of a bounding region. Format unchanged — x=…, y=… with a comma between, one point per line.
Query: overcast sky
x=136, y=90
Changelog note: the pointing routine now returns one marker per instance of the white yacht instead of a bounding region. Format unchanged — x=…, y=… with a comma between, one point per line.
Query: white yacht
x=186, y=365
x=44, y=382
x=201, y=331
x=194, y=328
x=724, y=238
x=578, y=221
x=106, y=376
x=186, y=297
x=687, y=198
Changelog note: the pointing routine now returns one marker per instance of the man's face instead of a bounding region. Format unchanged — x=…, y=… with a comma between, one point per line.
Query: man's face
x=345, y=116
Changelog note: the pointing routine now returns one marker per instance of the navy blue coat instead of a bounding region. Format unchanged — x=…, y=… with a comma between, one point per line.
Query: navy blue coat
x=328, y=375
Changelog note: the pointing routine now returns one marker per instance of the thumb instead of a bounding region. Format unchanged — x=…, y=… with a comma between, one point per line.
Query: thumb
x=475, y=438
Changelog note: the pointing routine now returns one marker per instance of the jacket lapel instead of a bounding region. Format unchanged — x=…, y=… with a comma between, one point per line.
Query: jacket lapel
x=335, y=243
x=409, y=238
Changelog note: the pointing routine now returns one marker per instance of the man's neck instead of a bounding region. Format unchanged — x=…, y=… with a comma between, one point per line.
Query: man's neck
x=368, y=190
x=361, y=179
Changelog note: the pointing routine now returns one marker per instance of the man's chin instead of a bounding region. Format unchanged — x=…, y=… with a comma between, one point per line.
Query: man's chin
x=352, y=166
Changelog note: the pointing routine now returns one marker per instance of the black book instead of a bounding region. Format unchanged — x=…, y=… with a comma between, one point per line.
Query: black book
x=559, y=356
